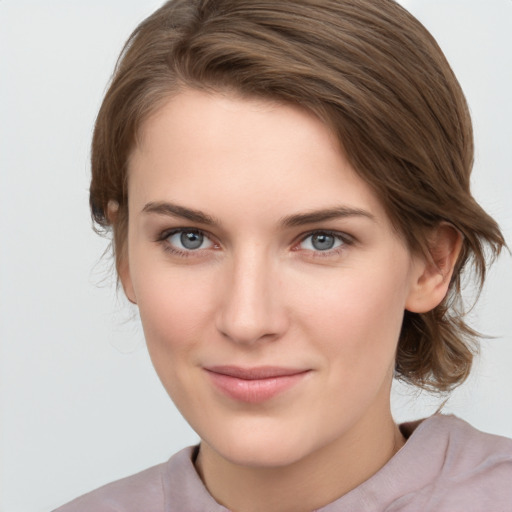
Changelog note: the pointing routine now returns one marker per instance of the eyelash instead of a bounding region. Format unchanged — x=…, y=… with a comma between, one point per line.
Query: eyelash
x=344, y=238
x=164, y=237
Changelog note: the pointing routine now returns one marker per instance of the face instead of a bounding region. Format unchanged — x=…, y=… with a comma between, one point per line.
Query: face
x=270, y=282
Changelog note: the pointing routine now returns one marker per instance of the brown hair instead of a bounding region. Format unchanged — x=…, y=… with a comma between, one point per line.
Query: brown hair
x=374, y=74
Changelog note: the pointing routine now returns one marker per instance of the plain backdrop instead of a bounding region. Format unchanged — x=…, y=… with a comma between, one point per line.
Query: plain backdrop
x=80, y=404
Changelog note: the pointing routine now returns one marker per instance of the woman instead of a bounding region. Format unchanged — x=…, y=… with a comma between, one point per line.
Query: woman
x=287, y=185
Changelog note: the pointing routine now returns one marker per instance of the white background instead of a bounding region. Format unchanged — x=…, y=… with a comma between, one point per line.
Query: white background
x=80, y=404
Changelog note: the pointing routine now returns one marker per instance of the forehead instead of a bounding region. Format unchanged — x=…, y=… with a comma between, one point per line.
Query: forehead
x=245, y=155
x=192, y=112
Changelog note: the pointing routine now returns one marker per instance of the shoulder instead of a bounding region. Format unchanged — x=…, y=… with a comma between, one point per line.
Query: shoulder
x=463, y=447
x=472, y=469
x=143, y=491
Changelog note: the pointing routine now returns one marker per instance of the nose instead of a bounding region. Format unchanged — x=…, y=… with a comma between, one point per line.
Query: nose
x=251, y=307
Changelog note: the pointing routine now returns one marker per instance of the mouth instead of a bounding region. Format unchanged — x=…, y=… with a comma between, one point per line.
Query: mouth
x=254, y=385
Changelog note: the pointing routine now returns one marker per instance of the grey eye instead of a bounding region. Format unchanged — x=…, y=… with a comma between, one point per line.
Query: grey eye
x=321, y=242
x=189, y=240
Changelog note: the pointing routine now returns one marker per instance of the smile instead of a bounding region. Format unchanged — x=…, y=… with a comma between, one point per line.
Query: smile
x=254, y=385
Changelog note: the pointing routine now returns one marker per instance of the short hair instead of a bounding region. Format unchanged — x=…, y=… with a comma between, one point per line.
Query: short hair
x=379, y=81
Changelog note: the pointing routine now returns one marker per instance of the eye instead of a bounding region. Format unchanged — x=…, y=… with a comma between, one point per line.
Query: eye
x=188, y=240
x=322, y=241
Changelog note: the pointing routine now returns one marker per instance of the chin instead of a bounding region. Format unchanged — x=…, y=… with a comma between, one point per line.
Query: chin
x=261, y=455
x=260, y=447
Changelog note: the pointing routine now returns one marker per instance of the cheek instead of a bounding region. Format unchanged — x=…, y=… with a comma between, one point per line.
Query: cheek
x=356, y=317
x=175, y=316
x=175, y=307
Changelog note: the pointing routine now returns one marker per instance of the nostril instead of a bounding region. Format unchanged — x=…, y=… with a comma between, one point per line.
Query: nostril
x=249, y=323
x=250, y=308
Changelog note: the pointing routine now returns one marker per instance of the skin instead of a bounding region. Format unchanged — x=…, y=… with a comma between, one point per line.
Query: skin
x=258, y=292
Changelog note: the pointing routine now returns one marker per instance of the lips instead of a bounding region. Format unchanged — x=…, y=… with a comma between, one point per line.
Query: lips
x=254, y=385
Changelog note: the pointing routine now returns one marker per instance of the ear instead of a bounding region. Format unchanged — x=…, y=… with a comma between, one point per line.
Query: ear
x=122, y=264
x=123, y=271
x=432, y=273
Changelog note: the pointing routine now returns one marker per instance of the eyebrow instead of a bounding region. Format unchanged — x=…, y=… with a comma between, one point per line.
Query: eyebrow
x=315, y=216
x=294, y=220
x=174, y=210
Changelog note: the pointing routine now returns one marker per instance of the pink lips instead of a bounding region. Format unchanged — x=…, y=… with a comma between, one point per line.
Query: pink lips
x=254, y=385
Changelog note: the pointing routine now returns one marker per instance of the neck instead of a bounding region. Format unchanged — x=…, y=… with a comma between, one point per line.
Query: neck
x=307, y=484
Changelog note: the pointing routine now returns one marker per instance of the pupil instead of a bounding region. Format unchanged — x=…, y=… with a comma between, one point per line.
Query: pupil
x=323, y=242
x=191, y=240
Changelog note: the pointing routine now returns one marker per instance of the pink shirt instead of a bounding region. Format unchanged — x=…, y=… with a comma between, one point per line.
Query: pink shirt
x=445, y=466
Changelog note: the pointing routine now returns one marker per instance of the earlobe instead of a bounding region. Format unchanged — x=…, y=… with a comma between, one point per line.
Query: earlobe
x=123, y=272
x=122, y=265
x=432, y=274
